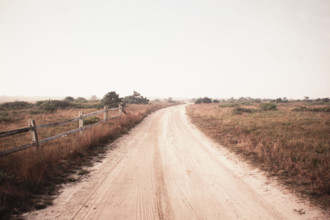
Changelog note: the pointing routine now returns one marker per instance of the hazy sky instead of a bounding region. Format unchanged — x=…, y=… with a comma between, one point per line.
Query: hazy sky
x=177, y=48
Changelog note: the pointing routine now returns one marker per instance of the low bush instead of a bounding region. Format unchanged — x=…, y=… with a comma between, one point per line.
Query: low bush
x=17, y=105
x=92, y=120
x=80, y=100
x=267, y=106
x=203, y=100
x=58, y=104
x=299, y=109
x=50, y=106
x=36, y=111
x=239, y=110
x=4, y=117
x=69, y=99
x=137, y=98
x=324, y=109
x=305, y=109
x=228, y=105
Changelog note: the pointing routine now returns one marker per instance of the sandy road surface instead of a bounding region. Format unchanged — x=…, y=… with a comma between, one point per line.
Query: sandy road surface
x=166, y=169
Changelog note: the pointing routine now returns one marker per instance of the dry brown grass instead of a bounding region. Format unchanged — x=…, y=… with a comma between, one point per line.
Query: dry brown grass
x=292, y=145
x=30, y=172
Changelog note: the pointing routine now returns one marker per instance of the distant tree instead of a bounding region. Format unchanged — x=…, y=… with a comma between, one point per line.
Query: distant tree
x=243, y=99
x=199, y=101
x=81, y=99
x=216, y=101
x=279, y=100
x=207, y=100
x=69, y=99
x=170, y=99
x=203, y=100
x=111, y=99
x=231, y=99
x=306, y=99
x=136, y=98
x=325, y=100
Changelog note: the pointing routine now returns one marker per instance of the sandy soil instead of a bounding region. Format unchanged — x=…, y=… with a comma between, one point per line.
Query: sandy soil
x=166, y=169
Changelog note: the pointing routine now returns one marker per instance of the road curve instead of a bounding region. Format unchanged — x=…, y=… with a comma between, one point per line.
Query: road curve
x=166, y=169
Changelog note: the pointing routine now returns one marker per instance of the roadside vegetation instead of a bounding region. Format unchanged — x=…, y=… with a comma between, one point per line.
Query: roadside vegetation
x=29, y=179
x=288, y=139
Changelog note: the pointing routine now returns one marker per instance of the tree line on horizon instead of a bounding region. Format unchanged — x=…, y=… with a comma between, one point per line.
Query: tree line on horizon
x=111, y=99
x=258, y=100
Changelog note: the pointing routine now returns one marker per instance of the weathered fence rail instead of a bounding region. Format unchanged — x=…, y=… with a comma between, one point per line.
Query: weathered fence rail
x=34, y=134
x=13, y=132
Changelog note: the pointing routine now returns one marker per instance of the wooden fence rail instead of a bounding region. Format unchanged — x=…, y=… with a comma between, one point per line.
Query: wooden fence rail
x=34, y=134
x=12, y=132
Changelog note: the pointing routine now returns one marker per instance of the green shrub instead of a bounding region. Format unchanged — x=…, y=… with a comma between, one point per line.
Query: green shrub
x=80, y=99
x=97, y=105
x=4, y=114
x=305, y=109
x=324, y=109
x=111, y=99
x=228, y=105
x=203, y=100
x=36, y=111
x=325, y=100
x=137, y=98
x=92, y=120
x=199, y=101
x=15, y=105
x=267, y=106
x=69, y=99
x=58, y=104
x=239, y=110
x=50, y=106
x=4, y=117
x=207, y=100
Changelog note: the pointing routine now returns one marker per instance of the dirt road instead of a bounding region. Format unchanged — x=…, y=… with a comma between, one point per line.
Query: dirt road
x=166, y=169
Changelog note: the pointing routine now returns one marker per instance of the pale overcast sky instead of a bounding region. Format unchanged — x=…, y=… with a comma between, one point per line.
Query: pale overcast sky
x=170, y=48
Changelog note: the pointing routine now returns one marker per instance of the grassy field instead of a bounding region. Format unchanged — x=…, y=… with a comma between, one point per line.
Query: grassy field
x=289, y=140
x=27, y=174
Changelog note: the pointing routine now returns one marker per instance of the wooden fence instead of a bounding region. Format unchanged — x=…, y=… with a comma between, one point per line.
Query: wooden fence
x=34, y=134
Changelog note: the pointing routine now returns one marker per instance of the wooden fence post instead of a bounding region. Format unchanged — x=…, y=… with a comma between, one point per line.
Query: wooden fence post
x=81, y=122
x=120, y=109
x=34, y=134
x=105, y=114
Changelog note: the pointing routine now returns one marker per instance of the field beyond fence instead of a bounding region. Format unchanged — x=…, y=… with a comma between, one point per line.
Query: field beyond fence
x=33, y=128
x=291, y=141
